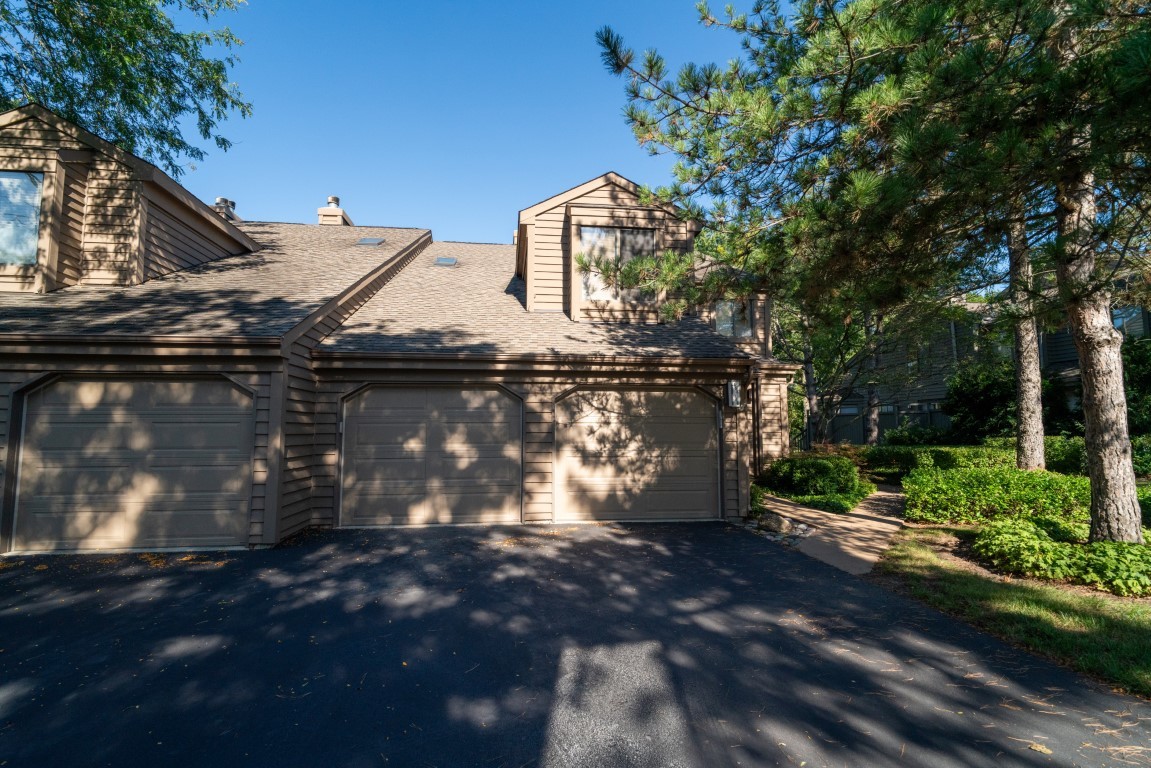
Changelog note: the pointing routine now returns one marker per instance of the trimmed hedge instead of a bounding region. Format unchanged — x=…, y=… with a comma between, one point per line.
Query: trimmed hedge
x=1069, y=454
x=975, y=495
x=1054, y=549
x=908, y=458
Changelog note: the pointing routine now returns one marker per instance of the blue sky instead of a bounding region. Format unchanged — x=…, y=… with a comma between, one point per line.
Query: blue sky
x=451, y=115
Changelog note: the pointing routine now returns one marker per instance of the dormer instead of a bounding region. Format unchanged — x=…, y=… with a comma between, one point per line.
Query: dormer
x=602, y=217
x=77, y=210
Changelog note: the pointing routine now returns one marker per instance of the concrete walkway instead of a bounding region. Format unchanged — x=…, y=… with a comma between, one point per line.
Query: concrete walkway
x=851, y=541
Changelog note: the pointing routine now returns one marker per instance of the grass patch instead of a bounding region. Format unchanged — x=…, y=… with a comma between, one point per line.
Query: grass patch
x=1101, y=636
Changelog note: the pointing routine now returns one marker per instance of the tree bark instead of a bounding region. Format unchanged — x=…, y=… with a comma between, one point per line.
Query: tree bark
x=816, y=426
x=871, y=419
x=1029, y=453
x=1115, y=514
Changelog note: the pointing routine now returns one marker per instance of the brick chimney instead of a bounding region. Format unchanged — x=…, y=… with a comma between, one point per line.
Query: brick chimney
x=333, y=215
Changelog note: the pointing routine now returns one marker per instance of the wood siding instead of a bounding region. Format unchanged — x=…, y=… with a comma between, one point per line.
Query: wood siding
x=308, y=478
x=549, y=251
x=112, y=223
x=108, y=219
x=70, y=267
x=173, y=242
x=546, y=247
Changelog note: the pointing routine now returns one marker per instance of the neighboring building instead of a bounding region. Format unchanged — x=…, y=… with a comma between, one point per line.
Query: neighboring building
x=918, y=399
x=172, y=376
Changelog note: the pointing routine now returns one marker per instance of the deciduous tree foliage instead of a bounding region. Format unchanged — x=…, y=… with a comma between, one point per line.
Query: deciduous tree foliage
x=884, y=145
x=122, y=69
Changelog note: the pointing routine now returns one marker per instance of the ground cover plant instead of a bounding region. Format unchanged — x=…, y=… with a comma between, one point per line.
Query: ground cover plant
x=1095, y=633
x=823, y=481
x=1033, y=524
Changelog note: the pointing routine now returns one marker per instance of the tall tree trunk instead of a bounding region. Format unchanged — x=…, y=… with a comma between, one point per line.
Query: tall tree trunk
x=1028, y=387
x=816, y=426
x=1115, y=514
x=871, y=419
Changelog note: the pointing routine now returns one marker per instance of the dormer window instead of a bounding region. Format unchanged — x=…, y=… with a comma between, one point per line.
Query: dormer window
x=733, y=318
x=614, y=246
x=20, y=196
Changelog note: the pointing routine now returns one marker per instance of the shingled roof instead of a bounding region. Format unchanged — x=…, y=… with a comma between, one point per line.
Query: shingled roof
x=261, y=294
x=477, y=308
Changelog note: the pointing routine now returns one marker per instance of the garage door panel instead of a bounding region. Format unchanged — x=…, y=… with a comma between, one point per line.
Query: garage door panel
x=135, y=464
x=636, y=455
x=125, y=483
x=456, y=458
x=492, y=470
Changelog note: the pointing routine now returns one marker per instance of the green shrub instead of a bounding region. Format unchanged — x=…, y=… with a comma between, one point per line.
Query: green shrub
x=981, y=399
x=973, y=495
x=1068, y=455
x=1141, y=454
x=820, y=480
x=808, y=474
x=908, y=433
x=1054, y=549
x=832, y=502
x=907, y=458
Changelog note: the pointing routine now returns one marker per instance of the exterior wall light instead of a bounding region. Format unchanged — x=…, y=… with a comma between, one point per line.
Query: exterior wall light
x=734, y=393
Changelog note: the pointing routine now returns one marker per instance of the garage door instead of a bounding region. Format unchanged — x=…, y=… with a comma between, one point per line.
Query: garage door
x=637, y=455
x=414, y=456
x=134, y=464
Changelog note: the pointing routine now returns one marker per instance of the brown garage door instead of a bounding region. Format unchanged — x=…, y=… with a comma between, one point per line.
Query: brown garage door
x=113, y=464
x=637, y=455
x=414, y=456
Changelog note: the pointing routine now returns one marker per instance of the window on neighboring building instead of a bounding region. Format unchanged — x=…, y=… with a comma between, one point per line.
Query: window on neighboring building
x=848, y=410
x=1128, y=320
x=20, y=195
x=732, y=318
x=888, y=409
x=616, y=247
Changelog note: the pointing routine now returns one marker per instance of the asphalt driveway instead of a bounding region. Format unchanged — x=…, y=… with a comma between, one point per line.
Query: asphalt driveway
x=655, y=645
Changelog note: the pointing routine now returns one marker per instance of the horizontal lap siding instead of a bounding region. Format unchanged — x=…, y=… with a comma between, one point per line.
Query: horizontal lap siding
x=773, y=418
x=539, y=451
x=171, y=245
x=548, y=263
x=310, y=418
x=36, y=134
x=111, y=229
x=71, y=241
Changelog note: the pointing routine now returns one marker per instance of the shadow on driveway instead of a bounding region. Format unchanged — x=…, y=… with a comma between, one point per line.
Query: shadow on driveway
x=655, y=645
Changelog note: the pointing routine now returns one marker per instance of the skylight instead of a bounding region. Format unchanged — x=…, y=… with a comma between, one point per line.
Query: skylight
x=445, y=261
x=371, y=241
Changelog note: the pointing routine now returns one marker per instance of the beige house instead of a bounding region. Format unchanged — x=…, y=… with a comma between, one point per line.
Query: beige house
x=172, y=376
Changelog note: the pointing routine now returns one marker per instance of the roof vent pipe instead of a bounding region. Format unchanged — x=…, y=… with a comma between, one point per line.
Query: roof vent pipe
x=333, y=215
x=226, y=208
